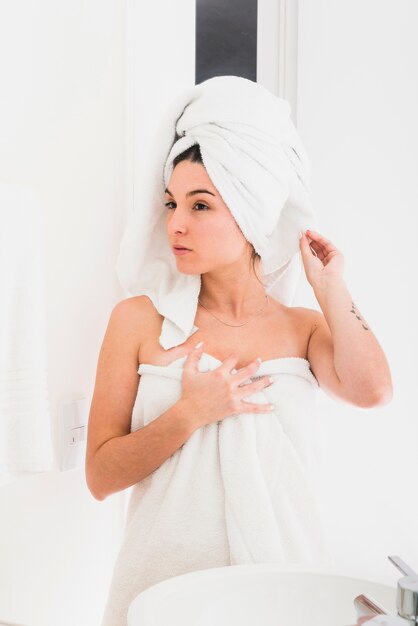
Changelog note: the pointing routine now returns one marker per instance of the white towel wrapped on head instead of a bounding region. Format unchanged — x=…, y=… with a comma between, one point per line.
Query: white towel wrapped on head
x=256, y=160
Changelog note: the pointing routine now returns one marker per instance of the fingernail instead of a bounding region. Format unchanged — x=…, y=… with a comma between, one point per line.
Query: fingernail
x=198, y=345
x=272, y=406
x=258, y=359
x=300, y=234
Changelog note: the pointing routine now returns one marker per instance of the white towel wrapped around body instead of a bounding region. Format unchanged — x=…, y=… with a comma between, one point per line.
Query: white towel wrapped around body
x=240, y=490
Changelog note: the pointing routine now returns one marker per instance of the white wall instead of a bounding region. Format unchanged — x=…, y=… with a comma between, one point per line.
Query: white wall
x=357, y=104
x=62, y=129
x=66, y=129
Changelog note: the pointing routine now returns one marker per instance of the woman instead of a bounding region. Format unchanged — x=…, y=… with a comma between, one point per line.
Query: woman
x=215, y=483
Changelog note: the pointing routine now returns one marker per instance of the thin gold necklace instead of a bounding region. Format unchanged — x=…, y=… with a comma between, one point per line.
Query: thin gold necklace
x=236, y=325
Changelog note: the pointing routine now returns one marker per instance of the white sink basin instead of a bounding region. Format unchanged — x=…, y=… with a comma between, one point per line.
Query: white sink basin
x=262, y=594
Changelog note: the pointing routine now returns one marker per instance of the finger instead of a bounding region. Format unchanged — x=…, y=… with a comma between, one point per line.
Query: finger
x=252, y=407
x=315, y=246
x=319, y=239
x=305, y=241
x=228, y=363
x=315, y=235
x=312, y=247
x=245, y=372
x=319, y=250
x=192, y=359
x=256, y=385
x=307, y=246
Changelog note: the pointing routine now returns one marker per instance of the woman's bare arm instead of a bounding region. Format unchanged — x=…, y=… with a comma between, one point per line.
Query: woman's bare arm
x=123, y=461
x=115, y=457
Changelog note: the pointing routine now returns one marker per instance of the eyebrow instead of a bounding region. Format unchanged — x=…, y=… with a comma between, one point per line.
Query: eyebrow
x=191, y=193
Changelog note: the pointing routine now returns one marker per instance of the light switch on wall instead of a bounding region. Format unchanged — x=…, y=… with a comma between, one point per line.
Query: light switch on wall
x=77, y=434
x=72, y=419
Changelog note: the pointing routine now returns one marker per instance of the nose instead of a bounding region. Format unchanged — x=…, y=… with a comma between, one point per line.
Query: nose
x=177, y=222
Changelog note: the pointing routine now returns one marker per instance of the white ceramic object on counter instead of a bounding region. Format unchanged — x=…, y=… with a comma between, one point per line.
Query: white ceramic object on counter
x=264, y=594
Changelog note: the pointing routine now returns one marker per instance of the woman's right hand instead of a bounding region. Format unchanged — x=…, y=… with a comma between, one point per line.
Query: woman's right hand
x=217, y=394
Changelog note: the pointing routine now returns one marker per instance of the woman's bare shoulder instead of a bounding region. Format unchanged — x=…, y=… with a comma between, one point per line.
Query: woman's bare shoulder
x=136, y=305
x=306, y=312
x=135, y=313
x=301, y=313
x=310, y=316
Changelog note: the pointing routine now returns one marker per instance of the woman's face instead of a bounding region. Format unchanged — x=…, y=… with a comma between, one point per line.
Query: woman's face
x=201, y=222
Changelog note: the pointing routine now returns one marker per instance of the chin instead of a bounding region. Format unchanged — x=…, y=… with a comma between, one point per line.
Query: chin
x=191, y=272
x=193, y=268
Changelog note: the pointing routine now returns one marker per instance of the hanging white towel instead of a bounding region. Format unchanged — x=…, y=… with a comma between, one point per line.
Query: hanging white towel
x=25, y=435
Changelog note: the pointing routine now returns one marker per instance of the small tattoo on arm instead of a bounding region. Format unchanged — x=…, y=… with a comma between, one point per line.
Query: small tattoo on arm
x=353, y=310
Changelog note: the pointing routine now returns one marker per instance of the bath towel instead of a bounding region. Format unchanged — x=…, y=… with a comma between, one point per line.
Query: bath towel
x=25, y=424
x=255, y=158
x=240, y=490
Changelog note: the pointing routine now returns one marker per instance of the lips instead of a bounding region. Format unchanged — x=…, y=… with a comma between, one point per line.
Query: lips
x=180, y=248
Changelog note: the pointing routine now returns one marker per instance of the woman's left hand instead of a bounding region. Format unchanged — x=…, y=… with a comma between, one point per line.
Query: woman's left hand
x=320, y=257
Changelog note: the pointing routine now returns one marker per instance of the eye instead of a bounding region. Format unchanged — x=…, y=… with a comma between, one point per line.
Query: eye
x=167, y=204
